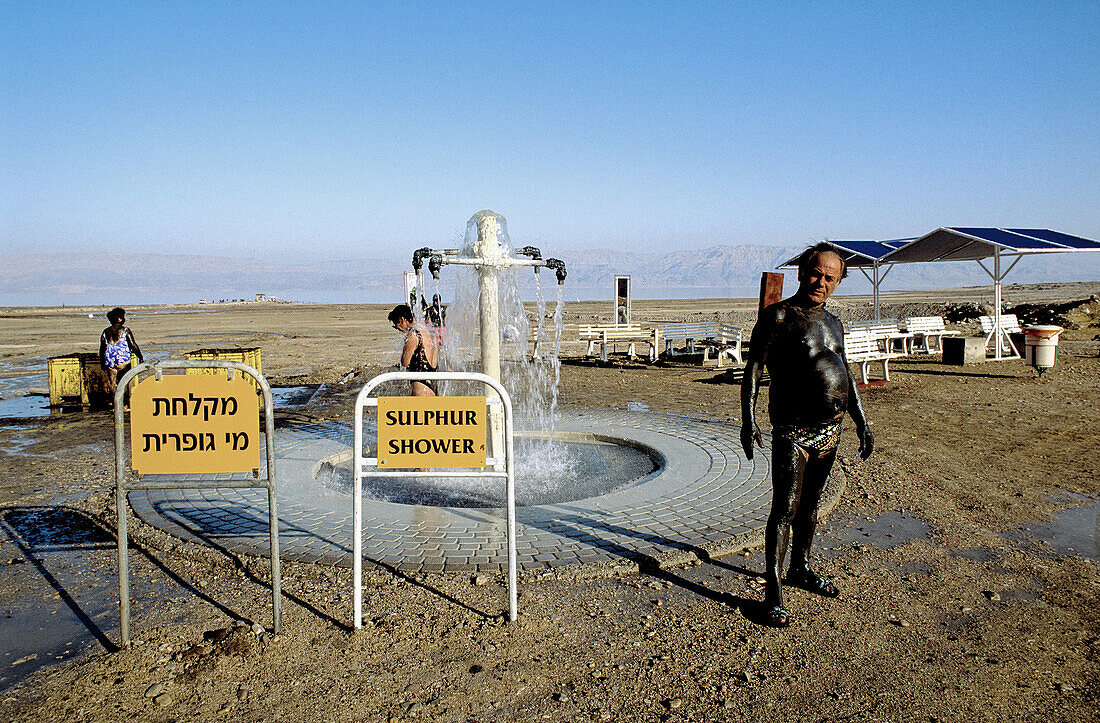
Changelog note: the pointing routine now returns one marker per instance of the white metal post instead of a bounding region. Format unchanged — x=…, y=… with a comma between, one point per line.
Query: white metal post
x=997, y=302
x=876, y=282
x=363, y=400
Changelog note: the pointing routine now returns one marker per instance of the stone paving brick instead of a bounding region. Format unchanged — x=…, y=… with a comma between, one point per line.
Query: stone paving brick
x=707, y=493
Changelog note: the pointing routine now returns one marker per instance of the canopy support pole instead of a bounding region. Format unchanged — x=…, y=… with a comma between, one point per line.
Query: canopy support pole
x=997, y=275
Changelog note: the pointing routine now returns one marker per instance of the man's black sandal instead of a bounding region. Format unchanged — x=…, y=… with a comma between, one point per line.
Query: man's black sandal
x=777, y=617
x=815, y=584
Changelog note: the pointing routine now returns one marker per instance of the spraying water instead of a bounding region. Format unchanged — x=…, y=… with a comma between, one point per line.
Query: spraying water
x=524, y=351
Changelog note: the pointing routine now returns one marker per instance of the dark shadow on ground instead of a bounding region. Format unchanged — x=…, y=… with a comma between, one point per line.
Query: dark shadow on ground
x=953, y=371
x=39, y=530
x=727, y=376
x=424, y=586
x=648, y=565
x=252, y=523
x=611, y=363
x=246, y=521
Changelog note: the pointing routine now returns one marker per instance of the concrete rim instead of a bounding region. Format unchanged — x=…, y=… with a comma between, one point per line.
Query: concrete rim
x=706, y=501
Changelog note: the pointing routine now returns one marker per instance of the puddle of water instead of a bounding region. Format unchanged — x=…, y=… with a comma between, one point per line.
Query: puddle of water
x=886, y=531
x=63, y=597
x=27, y=405
x=1073, y=532
x=52, y=616
x=16, y=443
x=292, y=396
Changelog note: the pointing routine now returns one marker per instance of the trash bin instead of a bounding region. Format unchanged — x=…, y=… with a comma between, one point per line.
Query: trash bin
x=1041, y=342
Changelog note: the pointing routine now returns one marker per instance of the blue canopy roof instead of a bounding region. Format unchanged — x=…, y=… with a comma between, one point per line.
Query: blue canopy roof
x=857, y=254
x=966, y=243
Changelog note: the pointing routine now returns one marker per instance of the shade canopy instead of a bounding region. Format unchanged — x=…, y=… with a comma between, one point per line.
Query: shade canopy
x=958, y=243
x=962, y=243
x=969, y=243
x=857, y=254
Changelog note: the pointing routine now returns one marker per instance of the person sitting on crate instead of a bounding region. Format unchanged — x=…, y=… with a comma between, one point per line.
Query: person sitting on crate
x=117, y=347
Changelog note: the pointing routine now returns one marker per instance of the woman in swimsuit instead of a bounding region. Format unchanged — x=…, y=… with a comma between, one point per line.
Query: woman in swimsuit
x=420, y=353
x=117, y=347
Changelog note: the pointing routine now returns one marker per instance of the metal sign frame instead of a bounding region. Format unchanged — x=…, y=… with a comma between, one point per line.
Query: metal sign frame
x=621, y=300
x=369, y=465
x=176, y=482
x=412, y=290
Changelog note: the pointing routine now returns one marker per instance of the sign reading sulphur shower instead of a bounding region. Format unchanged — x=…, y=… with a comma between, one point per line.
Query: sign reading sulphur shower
x=425, y=432
x=188, y=423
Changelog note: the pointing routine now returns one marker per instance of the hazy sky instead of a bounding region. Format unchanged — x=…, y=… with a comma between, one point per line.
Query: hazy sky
x=351, y=129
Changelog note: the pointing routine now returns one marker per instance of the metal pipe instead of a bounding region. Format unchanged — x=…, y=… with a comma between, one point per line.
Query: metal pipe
x=997, y=301
x=418, y=257
x=434, y=265
x=530, y=251
x=559, y=269
x=488, y=247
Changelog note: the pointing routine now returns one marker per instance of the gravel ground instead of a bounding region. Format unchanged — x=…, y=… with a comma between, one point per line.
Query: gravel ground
x=961, y=598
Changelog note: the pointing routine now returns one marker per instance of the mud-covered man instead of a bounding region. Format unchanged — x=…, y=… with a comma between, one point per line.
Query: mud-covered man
x=802, y=346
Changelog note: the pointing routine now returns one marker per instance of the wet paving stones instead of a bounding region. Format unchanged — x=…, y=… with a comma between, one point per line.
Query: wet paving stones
x=705, y=494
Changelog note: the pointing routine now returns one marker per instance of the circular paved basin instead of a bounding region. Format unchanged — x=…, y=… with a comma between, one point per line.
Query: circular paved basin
x=693, y=489
x=574, y=466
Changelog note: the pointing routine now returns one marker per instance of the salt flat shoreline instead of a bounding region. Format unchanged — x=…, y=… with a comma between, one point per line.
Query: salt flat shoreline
x=1014, y=293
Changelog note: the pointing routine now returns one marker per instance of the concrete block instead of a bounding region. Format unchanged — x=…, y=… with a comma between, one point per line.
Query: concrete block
x=963, y=350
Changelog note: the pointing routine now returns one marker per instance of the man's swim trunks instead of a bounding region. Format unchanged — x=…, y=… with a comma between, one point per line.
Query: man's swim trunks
x=821, y=438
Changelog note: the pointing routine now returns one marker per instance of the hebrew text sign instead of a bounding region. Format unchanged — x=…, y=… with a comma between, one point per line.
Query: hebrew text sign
x=187, y=424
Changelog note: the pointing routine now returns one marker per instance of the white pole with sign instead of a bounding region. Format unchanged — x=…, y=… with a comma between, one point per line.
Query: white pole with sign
x=421, y=432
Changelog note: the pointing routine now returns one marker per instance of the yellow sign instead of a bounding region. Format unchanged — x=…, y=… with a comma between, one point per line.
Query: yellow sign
x=418, y=432
x=187, y=424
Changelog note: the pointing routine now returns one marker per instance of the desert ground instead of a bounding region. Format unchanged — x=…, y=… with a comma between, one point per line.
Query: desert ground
x=966, y=550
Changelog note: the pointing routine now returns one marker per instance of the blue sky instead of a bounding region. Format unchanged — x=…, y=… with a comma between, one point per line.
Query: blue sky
x=350, y=130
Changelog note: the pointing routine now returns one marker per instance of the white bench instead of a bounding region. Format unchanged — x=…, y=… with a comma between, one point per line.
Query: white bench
x=544, y=347
x=928, y=333
x=863, y=349
x=611, y=334
x=1009, y=325
x=724, y=339
x=886, y=333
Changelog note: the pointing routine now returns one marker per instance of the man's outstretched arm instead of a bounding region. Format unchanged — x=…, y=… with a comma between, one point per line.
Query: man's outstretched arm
x=750, y=385
x=750, y=382
x=855, y=408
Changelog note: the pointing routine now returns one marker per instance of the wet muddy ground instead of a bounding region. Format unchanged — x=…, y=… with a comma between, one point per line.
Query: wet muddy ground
x=965, y=549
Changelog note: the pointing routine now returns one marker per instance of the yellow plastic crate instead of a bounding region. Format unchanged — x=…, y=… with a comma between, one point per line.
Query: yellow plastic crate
x=247, y=355
x=77, y=379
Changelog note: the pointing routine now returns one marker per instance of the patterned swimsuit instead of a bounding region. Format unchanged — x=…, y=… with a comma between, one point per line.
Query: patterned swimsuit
x=118, y=353
x=821, y=438
x=420, y=363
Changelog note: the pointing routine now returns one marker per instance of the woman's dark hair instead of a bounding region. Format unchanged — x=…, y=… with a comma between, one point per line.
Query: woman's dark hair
x=401, y=311
x=116, y=314
x=807, y=257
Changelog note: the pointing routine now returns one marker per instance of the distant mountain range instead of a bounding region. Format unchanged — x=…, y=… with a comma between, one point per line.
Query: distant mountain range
x=717, y=271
